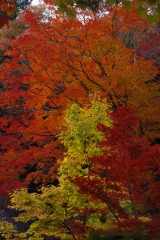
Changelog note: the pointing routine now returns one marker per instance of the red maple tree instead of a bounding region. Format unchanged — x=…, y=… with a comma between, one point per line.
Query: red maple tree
x=125, y=177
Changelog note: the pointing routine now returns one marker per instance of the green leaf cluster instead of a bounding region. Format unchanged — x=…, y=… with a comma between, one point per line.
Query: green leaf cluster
x=9, y=231
x=81, y=137
x=148, y=8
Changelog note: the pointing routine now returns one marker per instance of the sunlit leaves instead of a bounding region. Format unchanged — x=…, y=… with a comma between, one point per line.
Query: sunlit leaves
x=81, y=136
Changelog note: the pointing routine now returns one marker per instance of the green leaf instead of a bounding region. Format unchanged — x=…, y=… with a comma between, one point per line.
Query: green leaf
x=142, y=11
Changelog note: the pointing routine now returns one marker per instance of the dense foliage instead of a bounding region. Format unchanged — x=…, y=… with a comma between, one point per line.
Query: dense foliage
x=10, y=8
x=79, y=113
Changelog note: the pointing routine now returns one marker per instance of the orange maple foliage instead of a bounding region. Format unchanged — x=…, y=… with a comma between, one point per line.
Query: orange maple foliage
x=57, y=63
x=7, y=8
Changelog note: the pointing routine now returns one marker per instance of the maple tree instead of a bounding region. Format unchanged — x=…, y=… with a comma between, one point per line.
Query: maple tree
x=124, y=178
x=115, y=171
x=53, y=64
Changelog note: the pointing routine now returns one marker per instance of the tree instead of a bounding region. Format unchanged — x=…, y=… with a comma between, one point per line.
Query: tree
x=53, y=65
x=124, y=177
x=89, y=65
x=111, y=188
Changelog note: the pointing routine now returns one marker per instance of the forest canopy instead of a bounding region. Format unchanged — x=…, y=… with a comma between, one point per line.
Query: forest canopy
x=80, y=123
